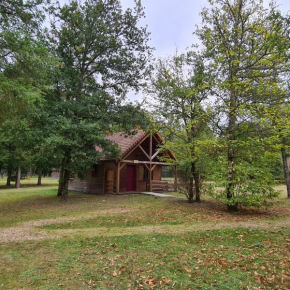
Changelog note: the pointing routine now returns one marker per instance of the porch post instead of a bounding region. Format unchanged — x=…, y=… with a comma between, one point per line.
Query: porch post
x=150, y=178
x=150, y=165
x=118, y=178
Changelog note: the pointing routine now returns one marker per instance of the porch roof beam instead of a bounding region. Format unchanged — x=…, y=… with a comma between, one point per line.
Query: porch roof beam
x=155, y=154
x=145, y=162
x=122, y=166
x=148, y=168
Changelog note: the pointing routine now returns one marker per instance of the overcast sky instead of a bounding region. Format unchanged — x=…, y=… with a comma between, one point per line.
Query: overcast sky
x=172, y=22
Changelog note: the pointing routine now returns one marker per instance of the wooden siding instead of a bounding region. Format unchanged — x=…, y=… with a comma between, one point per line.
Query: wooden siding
x=96, y=184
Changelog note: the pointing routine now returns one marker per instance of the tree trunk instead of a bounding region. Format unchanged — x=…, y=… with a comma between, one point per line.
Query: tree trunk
x=231, y=154
x=39, y=178
x=64, y=179
x=196, y=182
x=230, y=185
x=9, y=173
x=66, y=176
x=286, y=170
x=190, y=190
x=60, y=181
x=18, y=177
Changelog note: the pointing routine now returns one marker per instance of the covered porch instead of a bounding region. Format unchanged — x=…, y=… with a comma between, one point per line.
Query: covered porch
x=140, y=168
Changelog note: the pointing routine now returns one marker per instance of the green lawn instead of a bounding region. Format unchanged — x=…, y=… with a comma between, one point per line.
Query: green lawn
x=138, y=242
x=30, y=181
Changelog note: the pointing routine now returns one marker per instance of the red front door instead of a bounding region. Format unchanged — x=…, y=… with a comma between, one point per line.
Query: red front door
x=131, y=178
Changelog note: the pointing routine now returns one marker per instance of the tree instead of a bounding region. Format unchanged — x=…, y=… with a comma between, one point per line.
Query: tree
x=244, y=43
x=19, y=24
x=102, y=54
x=22, y=56
x=180, y=90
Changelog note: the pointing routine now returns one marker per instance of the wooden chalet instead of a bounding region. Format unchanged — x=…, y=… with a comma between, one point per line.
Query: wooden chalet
x=137, y=169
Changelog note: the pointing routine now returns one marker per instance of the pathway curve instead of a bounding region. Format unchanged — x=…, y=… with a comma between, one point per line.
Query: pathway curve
x=31, y=231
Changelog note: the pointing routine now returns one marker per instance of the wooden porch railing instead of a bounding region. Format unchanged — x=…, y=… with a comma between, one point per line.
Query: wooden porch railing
x=157, y=185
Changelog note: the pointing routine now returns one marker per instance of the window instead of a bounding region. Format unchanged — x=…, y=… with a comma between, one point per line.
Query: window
x=145, y=173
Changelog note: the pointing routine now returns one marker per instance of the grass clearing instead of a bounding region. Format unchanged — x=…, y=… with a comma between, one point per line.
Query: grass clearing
x=138, y=242
x=28, y=182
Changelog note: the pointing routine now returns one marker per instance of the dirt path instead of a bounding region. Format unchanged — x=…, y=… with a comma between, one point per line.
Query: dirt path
x=31, y=231
x=168, y=229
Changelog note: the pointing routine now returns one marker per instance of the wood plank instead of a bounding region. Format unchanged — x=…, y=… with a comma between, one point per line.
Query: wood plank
x=160, y=181
x=147, y=167
x=118, y=178
x=146, y=162
x=122, y=165
x=150, y=178
x=154, y=155
x=150, y=147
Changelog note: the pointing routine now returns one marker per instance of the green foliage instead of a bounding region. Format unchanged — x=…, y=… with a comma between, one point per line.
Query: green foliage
x=244, y=44
x=253, y=187
x=180, y=88
x=102, y=54
x=18, y=13
x=23, y=59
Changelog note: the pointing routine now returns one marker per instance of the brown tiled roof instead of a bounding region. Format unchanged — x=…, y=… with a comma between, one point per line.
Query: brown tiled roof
x=127, y=142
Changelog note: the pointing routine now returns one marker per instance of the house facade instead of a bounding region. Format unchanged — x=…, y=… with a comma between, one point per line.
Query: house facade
x=137, y=169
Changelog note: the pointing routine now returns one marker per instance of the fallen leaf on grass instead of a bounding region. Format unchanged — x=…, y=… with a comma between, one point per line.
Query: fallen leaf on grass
x=90, y=282
x=150, y=281
x=123, y=268
x=115, y=273
x=187, y=269
x=166, y=281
